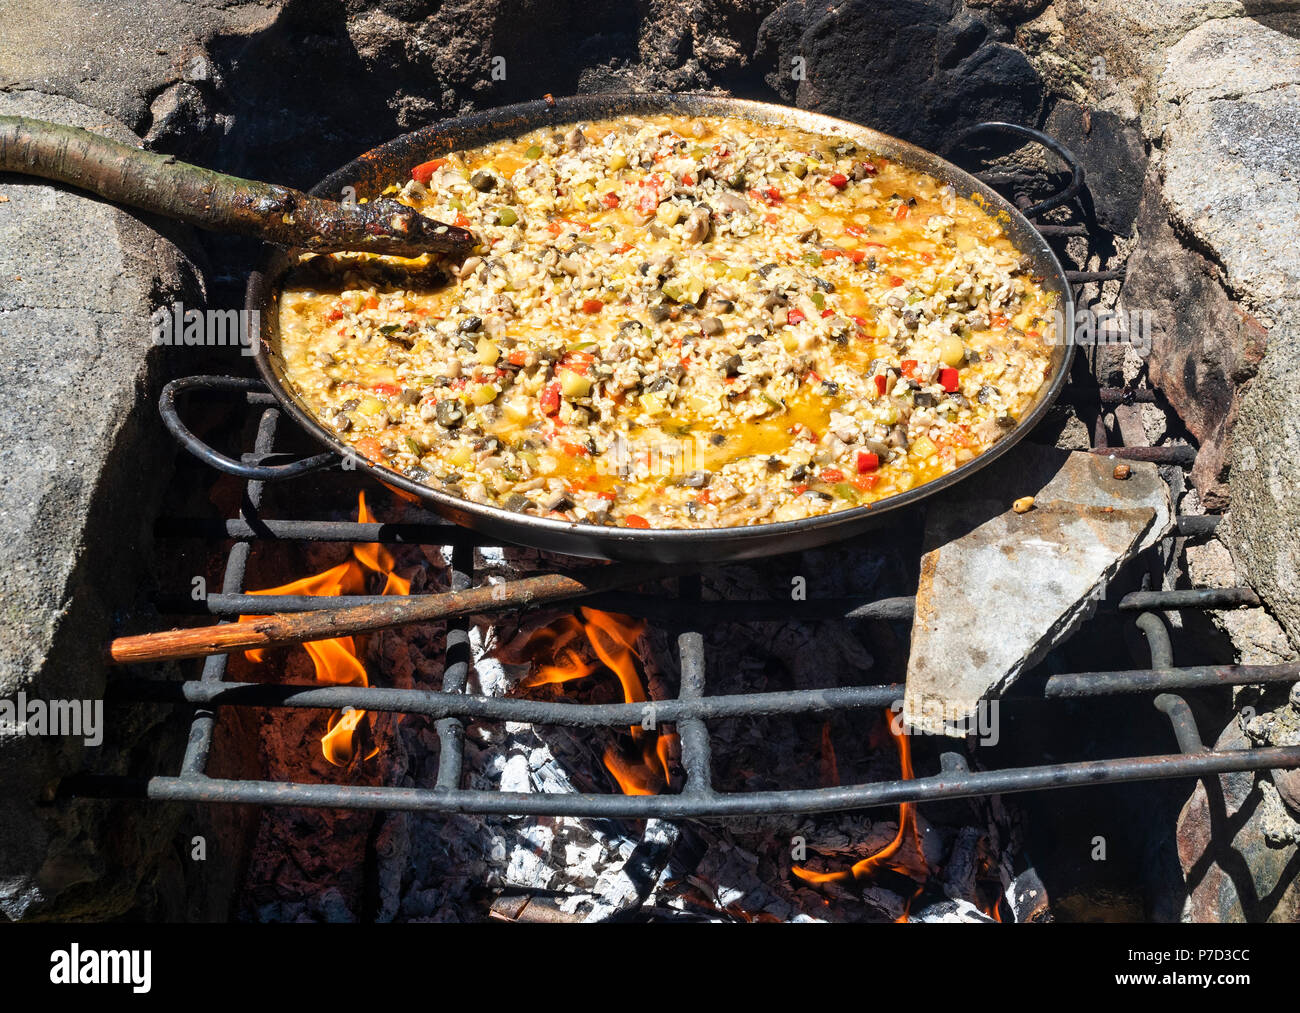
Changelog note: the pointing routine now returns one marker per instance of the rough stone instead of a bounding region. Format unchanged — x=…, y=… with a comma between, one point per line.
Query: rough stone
x=1204, y=346
x=1036, y=572
x=1263, y=526
x=78, y=280
x=1230, y=100
x=1233, y=874
x=1109, y=53
x=1256, y=637
x=921, y=69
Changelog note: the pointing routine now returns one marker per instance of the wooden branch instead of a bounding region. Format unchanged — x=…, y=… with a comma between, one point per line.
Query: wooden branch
x=212, y=200
x=326, y=624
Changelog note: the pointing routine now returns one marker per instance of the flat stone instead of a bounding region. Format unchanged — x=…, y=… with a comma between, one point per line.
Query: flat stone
x=998, y=589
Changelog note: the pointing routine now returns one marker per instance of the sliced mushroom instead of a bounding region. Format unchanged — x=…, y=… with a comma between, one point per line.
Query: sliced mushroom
x=697, y=226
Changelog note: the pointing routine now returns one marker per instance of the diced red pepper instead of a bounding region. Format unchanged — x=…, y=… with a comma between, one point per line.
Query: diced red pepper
x=903, y=210
x=854, y=230
x=461, y=221
x=389, y=389
x=908, y=366
x=592, y=306
x=948, y=377
x=869, y=168
x=866, y=482
x=574, y=449
x=867, y=462
x=827, y=313
x=857, y=256
x=927, y=258
x=838, y=180
x=648, y=202
x=895, y=281
x=610, y=200
x=796, y=317
x=832, y=475
x=772, y=195
x=1000, y=320
x=799, y=490
x=370, y=448
x=882, y=382
x=517, y=357
x=705, y=497
x=549, y=399
x=636, y=521
x=611, y=496
x=372, y=303
x=334, y=314
x=576, y=362
x=771, y=219
x=688, y=179
x=423, y=172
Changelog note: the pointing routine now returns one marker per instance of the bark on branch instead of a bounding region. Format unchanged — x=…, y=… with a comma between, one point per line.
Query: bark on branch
x=213, y=200
x=278, y=630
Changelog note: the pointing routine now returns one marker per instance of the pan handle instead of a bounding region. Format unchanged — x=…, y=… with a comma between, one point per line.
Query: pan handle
x=1047, y=141
x=253, y=470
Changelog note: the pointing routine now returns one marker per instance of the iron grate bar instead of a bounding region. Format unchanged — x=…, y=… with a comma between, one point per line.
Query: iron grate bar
x=473, y=707
x=693, y=733
x=455, y=675
x=199, y=745
x=942, y=786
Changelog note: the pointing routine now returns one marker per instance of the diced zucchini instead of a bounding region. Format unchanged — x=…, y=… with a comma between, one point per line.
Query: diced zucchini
x=574, y=384
x=484, y=394
x=487, y=352
x=461, y=456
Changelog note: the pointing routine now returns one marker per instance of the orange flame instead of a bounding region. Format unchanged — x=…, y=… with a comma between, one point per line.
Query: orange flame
x=337, y=661
x=642, y=766
x=904, y=854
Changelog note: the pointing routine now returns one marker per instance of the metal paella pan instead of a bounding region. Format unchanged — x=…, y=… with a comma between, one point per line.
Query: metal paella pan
x=369, y=174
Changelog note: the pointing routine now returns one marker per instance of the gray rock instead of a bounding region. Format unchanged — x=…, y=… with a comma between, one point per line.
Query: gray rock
x=78, y=435
x=1230, y=103
x=1036, y=573
x=1263, y=526
x=1109, y=53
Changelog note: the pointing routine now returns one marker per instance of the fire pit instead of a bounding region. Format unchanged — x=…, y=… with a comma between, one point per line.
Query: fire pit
x=557, y=740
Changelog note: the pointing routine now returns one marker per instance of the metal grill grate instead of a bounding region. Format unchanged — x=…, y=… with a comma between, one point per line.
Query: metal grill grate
x=693, y=709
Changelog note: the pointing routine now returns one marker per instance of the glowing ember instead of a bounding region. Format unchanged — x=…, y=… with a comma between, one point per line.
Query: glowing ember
x=904, y=854
x=641, y=766
x=338, y=661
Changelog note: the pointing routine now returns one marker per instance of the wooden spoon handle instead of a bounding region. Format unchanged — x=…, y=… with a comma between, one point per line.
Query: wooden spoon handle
x=212, y=200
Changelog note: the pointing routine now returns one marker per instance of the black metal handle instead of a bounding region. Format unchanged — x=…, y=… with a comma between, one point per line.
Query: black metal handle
x=1047, y=141
x=257, y=472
